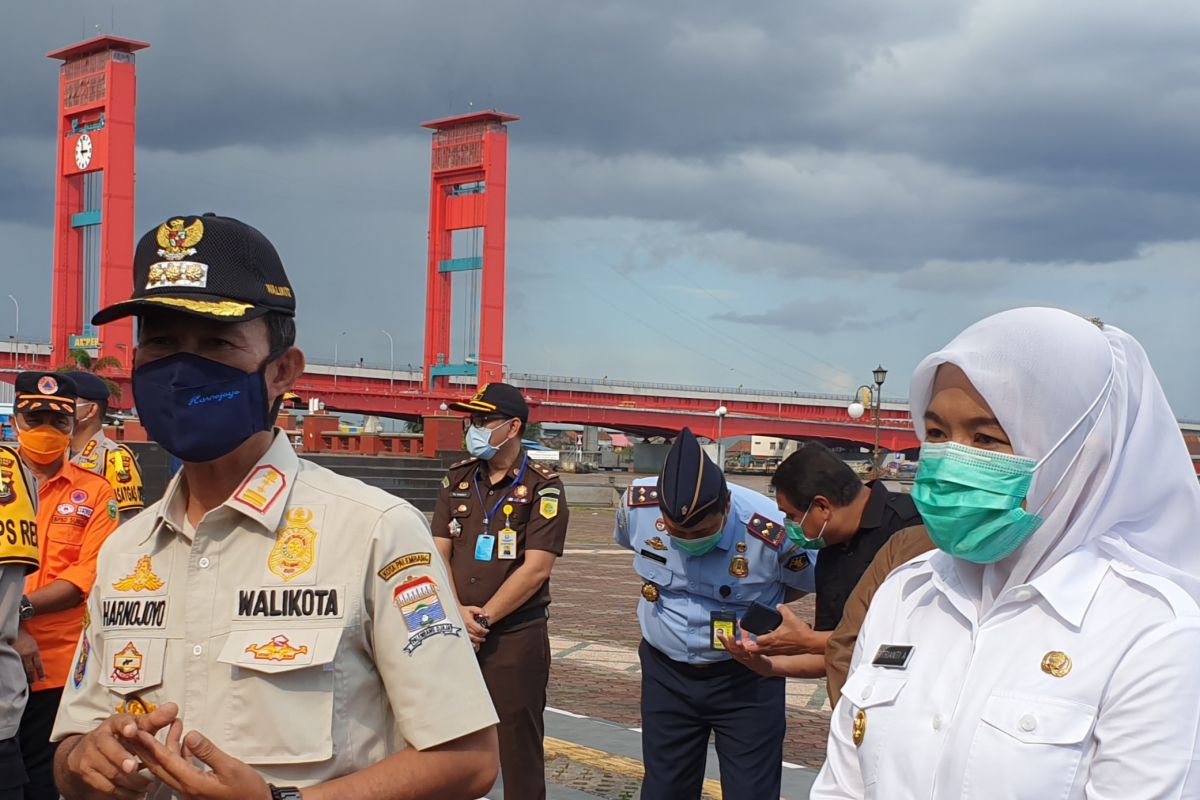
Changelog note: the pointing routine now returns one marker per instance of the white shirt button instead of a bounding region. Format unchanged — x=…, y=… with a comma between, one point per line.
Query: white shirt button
x=1028, y=723
x=866, y=692
x=197, y=650
x=204, y=562
x=1022, y=595
x=937, y=722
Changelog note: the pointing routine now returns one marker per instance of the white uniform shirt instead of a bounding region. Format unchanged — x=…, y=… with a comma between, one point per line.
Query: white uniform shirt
x=975, y=715
x=307, y=626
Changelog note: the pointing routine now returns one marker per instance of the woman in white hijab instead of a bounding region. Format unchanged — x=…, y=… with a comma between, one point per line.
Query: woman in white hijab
x=1050, y=648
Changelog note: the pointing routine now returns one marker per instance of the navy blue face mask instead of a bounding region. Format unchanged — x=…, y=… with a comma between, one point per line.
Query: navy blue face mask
x=198, y=409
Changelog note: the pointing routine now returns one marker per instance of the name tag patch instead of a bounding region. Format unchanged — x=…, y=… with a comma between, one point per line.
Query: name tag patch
x=309, y=603
x=140, y=613
x=893, y=656
x=644, y=553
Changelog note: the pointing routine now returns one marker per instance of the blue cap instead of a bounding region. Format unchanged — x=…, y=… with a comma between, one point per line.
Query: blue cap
x=89, y=387
x=690, y=485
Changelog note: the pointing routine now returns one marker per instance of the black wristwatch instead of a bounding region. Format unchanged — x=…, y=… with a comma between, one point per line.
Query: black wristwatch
x=26, y=611
x=284, y=792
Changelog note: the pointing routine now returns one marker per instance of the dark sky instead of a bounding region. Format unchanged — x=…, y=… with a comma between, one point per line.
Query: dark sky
x=778, y=194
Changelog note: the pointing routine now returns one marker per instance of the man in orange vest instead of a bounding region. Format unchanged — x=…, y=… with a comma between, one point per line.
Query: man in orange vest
x=76, y=512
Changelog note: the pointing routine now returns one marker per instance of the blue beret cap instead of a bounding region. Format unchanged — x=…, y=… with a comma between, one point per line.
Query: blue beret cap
x=690, y=485
x=89, y=386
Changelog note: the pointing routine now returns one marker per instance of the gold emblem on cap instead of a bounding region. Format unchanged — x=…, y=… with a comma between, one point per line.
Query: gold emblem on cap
x=176, y=241
x=860, y=727
x=650, y=592
x=1056, y=663
x=739, y=567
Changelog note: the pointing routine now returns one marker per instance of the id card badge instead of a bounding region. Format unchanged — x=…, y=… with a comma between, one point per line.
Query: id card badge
x=721, y=622
x=484, y=545
x=508, y=544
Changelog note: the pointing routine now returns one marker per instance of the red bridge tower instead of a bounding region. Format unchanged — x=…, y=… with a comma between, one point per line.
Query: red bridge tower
x=468, y=184
x=93, y=195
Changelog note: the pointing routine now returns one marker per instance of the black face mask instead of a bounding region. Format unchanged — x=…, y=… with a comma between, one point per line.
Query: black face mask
x=198, y=409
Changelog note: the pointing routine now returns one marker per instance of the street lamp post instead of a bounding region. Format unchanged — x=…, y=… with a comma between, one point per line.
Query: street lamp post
x=391, y=362
x=880, y=375
x=16, y=331
x=856, y=409
x=336, y=339
x=721, y=412
x=477, y=361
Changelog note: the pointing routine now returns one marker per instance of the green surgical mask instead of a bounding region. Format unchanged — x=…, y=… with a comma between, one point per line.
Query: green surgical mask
x=970, y=500
x=696, y=547
x=795, y=532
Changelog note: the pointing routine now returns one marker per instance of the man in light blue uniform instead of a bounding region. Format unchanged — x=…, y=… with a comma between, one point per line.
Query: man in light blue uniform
x=705, y=550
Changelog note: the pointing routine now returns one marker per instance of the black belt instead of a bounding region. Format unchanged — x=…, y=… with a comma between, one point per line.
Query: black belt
x=712, y=669
x=519, y=618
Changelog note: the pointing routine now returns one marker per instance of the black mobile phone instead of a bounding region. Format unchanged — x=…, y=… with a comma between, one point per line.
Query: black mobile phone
x=760, y=619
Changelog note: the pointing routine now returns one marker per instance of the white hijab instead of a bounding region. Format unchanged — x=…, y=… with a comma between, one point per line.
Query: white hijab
x=1120, y=478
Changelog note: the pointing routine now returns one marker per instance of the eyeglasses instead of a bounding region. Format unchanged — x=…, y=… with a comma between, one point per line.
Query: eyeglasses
x=485, y=420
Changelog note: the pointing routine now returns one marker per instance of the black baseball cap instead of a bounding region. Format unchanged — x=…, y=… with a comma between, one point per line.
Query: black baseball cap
x=44, y=391
x=496, y=398
x=89, y=386
x=214, y=267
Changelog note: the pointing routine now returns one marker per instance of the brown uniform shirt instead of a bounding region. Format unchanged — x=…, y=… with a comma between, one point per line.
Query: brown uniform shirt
x=902, y=547
x=539, y=517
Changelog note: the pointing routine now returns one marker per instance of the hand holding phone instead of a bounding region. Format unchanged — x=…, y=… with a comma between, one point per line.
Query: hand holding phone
x=760, y=619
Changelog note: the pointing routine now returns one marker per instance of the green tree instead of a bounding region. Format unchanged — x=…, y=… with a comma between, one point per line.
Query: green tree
x=533, y=431
x=82, y=361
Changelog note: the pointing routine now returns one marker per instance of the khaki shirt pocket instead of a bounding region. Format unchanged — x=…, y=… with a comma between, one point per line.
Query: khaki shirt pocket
x=280, y=709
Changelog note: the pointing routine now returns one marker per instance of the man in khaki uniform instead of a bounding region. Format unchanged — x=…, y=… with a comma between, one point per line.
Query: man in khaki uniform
x=18, y=556
x=299, y=623
x=96, y=452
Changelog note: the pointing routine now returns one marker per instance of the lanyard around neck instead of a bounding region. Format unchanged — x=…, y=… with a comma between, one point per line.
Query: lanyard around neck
x=487, y=516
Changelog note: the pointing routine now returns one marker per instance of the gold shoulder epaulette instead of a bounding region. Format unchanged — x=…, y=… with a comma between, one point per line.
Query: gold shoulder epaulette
x=769, y=531
x=643, y=496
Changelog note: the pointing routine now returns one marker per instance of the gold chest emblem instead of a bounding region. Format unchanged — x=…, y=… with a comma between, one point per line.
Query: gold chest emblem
x=739, y=567
x=295, y=548
x=859, y=731
x=1056, y=663
x=143, y=578
x=650, y=592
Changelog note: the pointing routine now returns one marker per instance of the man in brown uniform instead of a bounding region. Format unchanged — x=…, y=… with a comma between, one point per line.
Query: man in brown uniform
x=500, y=523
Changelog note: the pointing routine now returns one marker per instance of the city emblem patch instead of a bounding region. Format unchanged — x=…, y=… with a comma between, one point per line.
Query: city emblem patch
x=85, y=650
x=418, y=602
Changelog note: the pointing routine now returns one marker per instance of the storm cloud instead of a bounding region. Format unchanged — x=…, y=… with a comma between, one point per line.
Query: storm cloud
x=779, y=194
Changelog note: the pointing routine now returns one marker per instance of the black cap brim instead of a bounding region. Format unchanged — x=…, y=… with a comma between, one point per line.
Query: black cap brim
x=206, y=306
